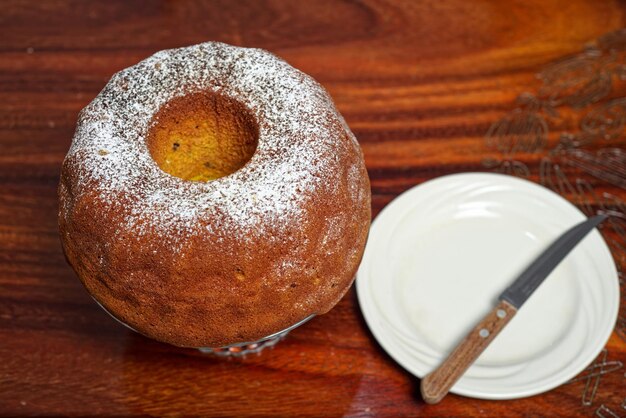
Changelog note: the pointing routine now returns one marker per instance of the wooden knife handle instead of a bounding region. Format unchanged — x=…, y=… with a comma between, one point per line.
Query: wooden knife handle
x=436, y=384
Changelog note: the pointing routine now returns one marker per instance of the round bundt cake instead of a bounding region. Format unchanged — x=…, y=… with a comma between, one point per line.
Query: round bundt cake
x=213, y=195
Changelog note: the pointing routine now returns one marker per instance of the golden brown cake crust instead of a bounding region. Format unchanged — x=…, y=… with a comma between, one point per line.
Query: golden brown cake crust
x=208, y=264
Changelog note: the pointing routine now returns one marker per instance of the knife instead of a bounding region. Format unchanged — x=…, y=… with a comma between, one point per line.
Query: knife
x=436, y=384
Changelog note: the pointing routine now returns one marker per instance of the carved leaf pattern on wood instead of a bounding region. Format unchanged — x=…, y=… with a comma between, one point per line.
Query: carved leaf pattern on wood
x=579, y=88
x=419, y=83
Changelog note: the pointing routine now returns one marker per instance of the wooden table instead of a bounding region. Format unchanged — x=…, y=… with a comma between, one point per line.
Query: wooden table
x=428, y=87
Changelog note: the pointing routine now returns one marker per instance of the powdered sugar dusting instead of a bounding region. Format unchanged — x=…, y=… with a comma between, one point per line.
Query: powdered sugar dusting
x=297, y=125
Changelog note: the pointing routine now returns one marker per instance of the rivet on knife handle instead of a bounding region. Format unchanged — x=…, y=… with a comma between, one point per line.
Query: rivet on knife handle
x=437, y=384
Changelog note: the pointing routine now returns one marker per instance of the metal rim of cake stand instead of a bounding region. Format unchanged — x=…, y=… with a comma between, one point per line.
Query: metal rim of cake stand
x=241, y=349
x=232, y=350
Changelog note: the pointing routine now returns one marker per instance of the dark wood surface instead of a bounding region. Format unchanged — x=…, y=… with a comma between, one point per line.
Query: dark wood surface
x=419, y=82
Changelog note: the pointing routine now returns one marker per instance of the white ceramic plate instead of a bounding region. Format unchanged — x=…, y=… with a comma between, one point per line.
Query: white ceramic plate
x=440, y=254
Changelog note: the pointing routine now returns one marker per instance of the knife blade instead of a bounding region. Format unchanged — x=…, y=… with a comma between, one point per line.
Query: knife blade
x=435, y=385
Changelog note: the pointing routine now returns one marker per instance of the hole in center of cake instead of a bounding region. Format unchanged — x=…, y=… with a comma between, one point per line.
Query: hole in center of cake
x=202, y=136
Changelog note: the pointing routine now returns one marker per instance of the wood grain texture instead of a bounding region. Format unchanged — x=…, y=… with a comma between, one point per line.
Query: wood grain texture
x=419, y=82
x=436, y=384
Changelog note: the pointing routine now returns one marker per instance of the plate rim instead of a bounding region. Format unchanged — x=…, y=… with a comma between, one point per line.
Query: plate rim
x=370, y=316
